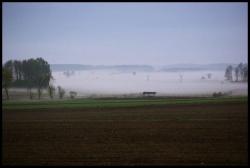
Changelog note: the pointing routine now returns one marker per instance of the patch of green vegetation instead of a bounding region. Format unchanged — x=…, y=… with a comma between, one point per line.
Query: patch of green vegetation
x=116, y=102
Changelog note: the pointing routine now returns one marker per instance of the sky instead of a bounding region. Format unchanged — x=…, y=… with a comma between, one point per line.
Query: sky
x=126, y=33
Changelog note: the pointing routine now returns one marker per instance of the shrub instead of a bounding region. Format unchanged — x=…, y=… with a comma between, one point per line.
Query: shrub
x=61, y=92
x=72, y=94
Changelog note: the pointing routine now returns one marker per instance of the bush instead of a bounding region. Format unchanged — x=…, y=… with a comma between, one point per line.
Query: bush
x=72, y=94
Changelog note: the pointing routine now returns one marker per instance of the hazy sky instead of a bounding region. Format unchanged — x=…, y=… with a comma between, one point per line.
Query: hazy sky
x=126, y=33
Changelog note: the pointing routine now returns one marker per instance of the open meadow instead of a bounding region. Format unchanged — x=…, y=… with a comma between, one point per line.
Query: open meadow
x=139, y=131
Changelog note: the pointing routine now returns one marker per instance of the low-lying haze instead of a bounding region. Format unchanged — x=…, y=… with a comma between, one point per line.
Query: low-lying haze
x=165, y=83
x=120, y=42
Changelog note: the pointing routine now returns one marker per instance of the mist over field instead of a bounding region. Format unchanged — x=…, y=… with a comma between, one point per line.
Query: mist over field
x=117, y=82
x=98, y=49
x=108, y=84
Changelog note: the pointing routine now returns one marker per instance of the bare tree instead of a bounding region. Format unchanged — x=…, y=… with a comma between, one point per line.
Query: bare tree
x=241, y=73
x=228, y=73
x=236, y=70
x=245, y=73
x=209, y=75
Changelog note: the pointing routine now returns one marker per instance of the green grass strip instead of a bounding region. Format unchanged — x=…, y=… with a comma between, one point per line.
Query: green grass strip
x=112, y=103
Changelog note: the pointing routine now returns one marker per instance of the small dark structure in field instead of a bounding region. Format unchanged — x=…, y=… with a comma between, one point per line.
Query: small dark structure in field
x=219, y=94
x=149, y=93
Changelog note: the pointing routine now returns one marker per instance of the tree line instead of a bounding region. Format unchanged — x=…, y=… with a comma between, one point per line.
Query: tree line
x=31, y=73
x=240, y=72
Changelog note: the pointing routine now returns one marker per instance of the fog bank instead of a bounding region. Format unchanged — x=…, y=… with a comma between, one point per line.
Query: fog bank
x=111, y=82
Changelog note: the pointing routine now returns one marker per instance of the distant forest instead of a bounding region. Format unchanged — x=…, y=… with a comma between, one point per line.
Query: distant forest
x=140, y=68
x=76, y=67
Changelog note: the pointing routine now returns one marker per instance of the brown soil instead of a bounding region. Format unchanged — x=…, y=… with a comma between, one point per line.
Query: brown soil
x=166, y=135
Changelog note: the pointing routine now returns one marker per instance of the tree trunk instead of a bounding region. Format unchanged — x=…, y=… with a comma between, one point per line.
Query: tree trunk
x=51, y=94
x=7, y=93
x=30, y=93
x=39, y=93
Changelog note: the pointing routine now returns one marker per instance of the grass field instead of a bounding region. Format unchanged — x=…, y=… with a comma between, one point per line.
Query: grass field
x=158, y=131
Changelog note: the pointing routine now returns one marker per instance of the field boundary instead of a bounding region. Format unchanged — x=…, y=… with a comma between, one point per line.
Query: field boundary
x=113, y=103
